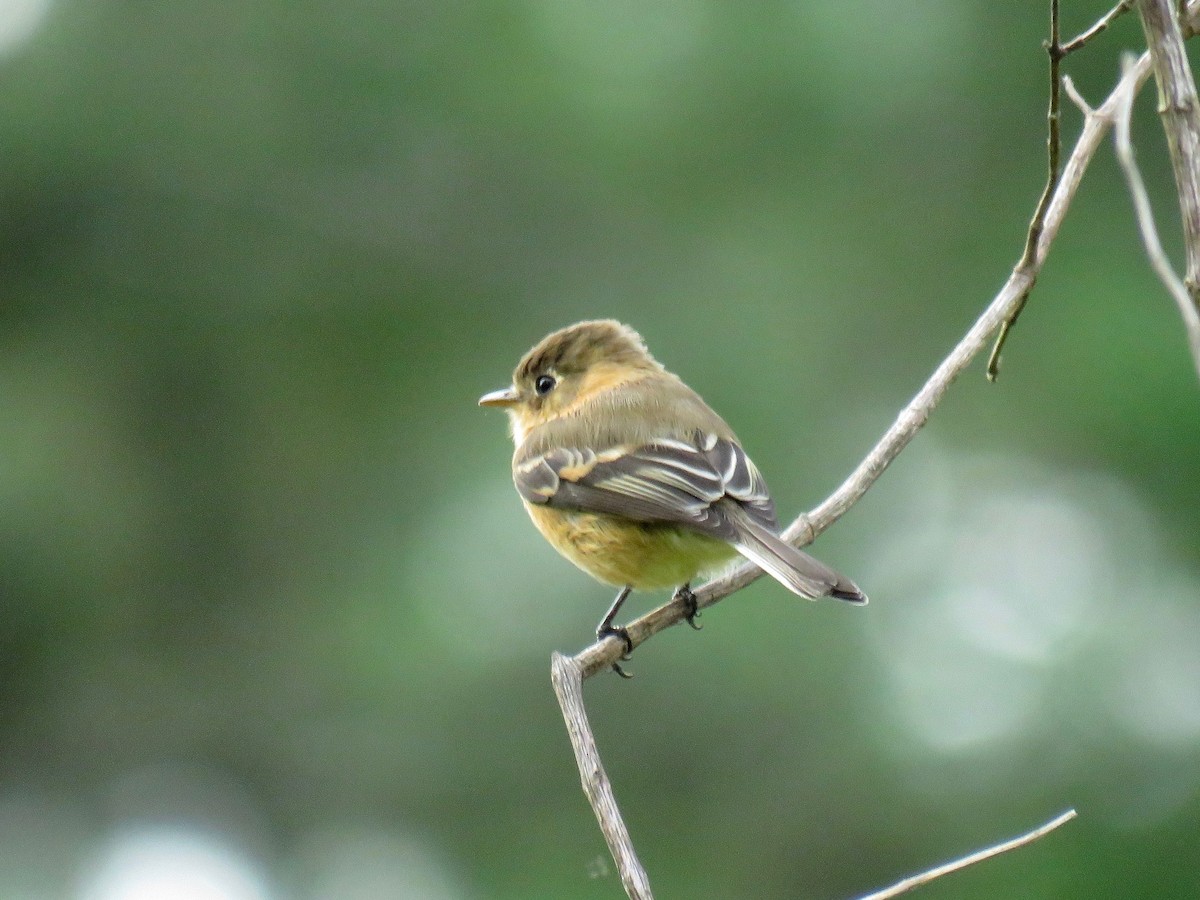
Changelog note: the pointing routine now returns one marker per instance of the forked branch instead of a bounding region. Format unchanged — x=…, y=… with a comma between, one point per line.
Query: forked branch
x=1179, y=107
x=1056, y=51
x=805, y=529
x=1146, y=227
x=569, y=673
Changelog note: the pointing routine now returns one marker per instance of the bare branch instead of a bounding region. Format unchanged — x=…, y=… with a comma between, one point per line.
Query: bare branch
x=1109, y=17
x=569, y=672
x=568, y=687
x=1036, y=225
x=1057, y=52
x=1145, y=218
x=916, y=881
x=1076, y=97
x=804, y=530
x=1179, y=108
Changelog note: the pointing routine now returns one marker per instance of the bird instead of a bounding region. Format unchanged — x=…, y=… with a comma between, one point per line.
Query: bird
x=631, y=476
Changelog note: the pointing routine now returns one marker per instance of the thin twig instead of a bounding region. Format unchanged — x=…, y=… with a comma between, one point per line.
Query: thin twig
x=1057, y=52
x=568, y=687
x=916, y=881
x=1179, y=108
x=1145, y=218
x=1053, y=149
x=1111, y=16
x=568, y=673
x=1077, y=98
x=601, y=655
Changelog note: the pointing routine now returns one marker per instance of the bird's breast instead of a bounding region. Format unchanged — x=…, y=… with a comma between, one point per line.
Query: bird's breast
x=623, y=552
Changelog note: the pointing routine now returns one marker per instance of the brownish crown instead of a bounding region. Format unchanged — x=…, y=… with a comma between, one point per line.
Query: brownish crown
x=578, y=347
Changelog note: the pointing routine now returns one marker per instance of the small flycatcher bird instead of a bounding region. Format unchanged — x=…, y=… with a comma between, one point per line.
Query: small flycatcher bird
x=632, y=477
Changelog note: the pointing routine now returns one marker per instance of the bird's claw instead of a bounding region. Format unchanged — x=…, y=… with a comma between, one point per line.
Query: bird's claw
x=618, y=631
x=606, y=629
x=690, y=610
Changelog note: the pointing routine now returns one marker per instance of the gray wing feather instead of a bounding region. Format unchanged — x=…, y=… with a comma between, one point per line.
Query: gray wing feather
x=669, y=481
x=707, y=484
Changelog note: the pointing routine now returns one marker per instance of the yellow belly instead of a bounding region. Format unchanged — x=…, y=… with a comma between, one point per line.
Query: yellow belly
x=620, y=552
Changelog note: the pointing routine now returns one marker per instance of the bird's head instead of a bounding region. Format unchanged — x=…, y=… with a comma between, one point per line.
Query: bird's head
x=566, y=368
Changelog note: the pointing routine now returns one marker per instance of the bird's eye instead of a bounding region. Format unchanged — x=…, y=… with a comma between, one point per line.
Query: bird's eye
x=544, y=385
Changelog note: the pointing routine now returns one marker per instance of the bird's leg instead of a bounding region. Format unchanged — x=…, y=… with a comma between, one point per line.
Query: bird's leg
x=606, y=628
x=685, y=596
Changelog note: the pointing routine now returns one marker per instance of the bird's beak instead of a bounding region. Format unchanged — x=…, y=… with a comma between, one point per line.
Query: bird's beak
x=505, y=397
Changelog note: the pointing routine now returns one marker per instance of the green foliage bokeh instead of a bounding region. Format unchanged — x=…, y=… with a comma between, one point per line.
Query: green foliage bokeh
x=263, y=575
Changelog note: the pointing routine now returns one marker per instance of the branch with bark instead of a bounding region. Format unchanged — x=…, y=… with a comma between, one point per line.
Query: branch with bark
x=1180, y=112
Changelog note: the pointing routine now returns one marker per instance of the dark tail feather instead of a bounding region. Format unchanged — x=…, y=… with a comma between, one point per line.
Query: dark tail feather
x=847, y=590
x=794, y=569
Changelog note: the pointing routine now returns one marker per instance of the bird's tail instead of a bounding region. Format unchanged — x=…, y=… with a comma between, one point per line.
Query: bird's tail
x=794, y=569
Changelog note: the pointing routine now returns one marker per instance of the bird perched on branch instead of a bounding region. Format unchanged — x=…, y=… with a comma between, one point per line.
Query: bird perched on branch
x=632, y=477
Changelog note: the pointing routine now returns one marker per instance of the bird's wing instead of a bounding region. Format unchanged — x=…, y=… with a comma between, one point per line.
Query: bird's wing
x=670, y=480
x=707, y=484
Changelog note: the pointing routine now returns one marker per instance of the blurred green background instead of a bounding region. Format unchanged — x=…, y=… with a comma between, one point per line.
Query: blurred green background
x=274, y=624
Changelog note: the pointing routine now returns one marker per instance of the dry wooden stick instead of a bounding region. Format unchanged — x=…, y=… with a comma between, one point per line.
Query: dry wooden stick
x=568, y=673
x=1057, y=52
x=1102, y=25
x=1033, y=235
x=568, y=687
x=1179, y=107
x=916, y=881
x=602, y=654
x=1145, y=219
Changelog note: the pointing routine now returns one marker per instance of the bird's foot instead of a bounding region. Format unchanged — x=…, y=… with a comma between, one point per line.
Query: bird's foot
x=690, y=611
x=607, y=630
